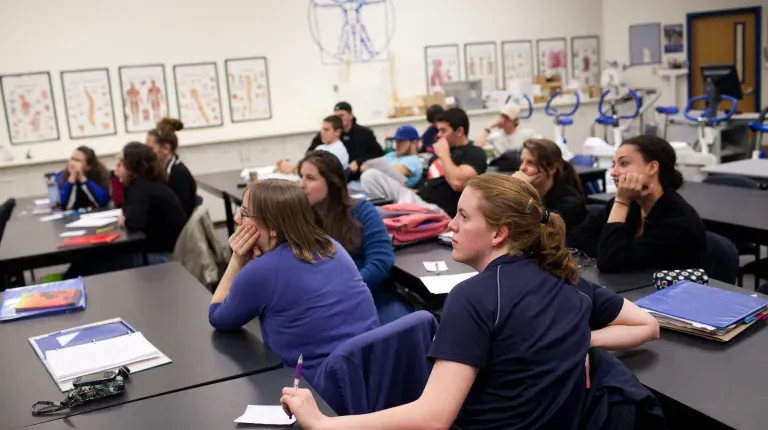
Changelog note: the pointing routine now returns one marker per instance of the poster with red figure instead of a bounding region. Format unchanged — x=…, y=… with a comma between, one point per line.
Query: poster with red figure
x=88, y=103
x=248, y=88
x=552, y=57
x=442, y=63
x=197, y=93
x=29, y=108
x=145, y=96
x=585, y=51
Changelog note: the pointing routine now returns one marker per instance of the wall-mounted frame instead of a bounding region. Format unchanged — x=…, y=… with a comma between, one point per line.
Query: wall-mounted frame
x=585, y=59
x=248, y=89
x=517, y=61
x=145, y=96
x=441, y=64
x=645, y=44
x=30, y=110
x=674, y=38
x=197, y=94
x=552, y=57
x=88, y=103
x=480, y=63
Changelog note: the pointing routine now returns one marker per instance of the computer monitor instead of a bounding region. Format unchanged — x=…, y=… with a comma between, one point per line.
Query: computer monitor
x=467, y=94
x=719, y=80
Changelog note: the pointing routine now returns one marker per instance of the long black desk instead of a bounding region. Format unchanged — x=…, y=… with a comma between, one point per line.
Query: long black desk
x=210, y=407
x=738, y=213
x=168, y=306
x=722, y=381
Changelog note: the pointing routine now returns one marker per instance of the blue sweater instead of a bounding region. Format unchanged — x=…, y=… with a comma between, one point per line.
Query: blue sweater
x=304, y=308
x=92, y=195
x=376, y=257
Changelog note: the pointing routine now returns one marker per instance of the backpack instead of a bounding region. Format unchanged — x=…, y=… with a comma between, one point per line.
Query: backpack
x=410, y=222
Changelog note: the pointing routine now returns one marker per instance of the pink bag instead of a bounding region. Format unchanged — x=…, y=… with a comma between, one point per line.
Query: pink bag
x=413, y=223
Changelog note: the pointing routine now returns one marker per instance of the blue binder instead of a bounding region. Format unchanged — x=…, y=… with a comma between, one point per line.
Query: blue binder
x=703, y=304
x=12, y=296
x=80, y=335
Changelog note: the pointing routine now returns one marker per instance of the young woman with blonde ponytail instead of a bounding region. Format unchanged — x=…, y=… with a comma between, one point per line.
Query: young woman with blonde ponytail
x=511, y=349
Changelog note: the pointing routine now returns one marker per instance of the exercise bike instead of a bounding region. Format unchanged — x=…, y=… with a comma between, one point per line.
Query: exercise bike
x=562, y=120
x=759, y=128
x=512, y=98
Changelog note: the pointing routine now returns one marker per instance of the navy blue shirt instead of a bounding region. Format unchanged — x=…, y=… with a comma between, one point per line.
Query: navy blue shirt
x=529, y=336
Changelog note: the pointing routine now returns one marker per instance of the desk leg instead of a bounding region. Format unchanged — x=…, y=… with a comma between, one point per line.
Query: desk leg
x=229, y=214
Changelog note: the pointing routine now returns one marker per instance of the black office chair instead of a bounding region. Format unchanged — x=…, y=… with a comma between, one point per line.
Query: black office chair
x=5, y=214
x=722, y=258
x=198, y=200
x=763, y=289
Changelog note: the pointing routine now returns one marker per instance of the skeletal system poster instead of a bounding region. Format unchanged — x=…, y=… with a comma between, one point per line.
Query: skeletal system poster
x=480, y=59
x=248, y=85
x=197, y=90
x=29, y=109
x=518, y=61
x=88, y=99
x=145, y=97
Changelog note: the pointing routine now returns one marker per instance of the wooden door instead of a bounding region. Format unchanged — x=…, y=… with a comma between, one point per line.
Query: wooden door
x=725, y=38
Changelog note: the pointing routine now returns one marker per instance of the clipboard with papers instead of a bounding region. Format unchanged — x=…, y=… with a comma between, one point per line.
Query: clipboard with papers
x=94, y=348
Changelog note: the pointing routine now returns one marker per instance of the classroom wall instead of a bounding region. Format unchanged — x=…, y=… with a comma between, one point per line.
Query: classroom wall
x=44, y=35
x=618, y=15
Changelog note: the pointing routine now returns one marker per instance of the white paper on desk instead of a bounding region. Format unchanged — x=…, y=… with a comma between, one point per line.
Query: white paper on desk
x=41, y=202
x=443, y=284
x=103, y=214
x=91, y=222
x=269, y=415
x=435, y=266
x=59, y=215
x=73, y=233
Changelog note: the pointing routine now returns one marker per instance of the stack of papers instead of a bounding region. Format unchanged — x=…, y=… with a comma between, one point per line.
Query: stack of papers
x=704, y=311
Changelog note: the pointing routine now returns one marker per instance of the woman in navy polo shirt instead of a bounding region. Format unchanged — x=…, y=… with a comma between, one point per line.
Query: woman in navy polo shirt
x=510, y=351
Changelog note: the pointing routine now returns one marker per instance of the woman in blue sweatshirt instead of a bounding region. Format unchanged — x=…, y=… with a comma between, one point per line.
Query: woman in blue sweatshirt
x=300, y=283
x=84, y=184
x=356, y=225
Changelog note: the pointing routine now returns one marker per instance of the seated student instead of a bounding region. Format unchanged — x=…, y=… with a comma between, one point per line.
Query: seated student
x=286, y=271
x=511, y=350
x=330, y=134
x=504, y=133
x=403, y=164
x=149, y=204
x=648, y=224
x=430, y=134
x=555, y=179
x=356, y=225
x=165, y=143
x=84, y=184
x=455, y=162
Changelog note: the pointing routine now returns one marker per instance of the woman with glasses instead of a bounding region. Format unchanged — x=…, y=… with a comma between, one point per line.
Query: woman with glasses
x=285, y=270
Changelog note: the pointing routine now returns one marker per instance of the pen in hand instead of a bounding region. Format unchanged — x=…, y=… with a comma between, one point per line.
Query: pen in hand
x=296, y=379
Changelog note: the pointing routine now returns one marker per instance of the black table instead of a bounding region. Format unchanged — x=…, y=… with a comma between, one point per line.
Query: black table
x=723, y=381
x=25, y=206
x=168, y=306
x=738, y=213
x=29, y=243
x=210, y=407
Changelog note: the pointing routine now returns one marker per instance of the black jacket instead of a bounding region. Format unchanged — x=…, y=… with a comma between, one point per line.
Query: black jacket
x=360, y=142
x=183, y=184
x=152, y=208
x=566, y=202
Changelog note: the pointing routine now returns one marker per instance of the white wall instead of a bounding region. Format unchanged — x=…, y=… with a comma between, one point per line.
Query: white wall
x=45, y=35
x=618, y=15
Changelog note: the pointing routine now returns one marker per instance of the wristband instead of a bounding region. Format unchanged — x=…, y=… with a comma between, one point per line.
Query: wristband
x=621, y=203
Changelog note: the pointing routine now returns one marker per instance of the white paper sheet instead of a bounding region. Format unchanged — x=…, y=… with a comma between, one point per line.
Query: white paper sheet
x=443, y=284
x=269, y=415
x=91, y=222
x=435, y=266
x=41, y=202
x=114, y=213
x=59, y=215
x=63, y=340
x=73, y=233
x=268, y=172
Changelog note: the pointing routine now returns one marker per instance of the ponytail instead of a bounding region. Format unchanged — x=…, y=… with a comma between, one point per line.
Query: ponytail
x=550, y=251
x=568, y=176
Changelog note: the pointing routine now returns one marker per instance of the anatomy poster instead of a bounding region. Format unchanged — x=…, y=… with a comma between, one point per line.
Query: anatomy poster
x=88, y=102
x=29, y=109
x=552, y=57
x=585, y=51
x=248, y=86
x=517, y=58
x=197, y=90
x=480, y=63
x=145, y=96
x=442, y=63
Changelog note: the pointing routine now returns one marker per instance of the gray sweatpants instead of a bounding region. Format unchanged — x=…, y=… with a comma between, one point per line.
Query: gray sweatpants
x=379, y=184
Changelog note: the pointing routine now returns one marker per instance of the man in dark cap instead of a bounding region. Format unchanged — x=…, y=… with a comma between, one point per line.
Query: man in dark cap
x=360, y=141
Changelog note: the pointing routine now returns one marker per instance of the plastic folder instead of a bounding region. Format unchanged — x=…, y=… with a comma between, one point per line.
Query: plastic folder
x=12, y=297
x=703, y=304
x=93, y=239
x=81, y=335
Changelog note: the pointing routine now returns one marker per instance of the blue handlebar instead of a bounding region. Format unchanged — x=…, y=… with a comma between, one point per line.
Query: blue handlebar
x=712, y=120
x=550, y=112
x=638, y=105
x=530, y=106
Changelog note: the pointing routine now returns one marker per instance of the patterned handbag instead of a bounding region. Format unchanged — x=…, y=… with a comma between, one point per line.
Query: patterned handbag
x=665, y=278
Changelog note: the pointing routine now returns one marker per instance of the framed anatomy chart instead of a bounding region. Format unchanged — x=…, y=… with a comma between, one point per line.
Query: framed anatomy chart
x=585, y=59
x=145, y=96
x=552, y=57
x=517, y=61
x=88, y=103
x=248, y=89
x=197, y=92
x=480, y=64
x=442, y=65
x=30, y=113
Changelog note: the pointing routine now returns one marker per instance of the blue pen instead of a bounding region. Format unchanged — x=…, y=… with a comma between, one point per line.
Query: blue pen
x=297, y=377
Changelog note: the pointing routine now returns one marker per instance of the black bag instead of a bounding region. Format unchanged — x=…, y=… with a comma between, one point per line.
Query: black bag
x=509, y=161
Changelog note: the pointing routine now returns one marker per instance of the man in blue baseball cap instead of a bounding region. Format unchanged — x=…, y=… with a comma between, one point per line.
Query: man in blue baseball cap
x=403, y=164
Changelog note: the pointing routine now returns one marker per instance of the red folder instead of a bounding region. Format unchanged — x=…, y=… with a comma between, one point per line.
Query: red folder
x=93, y=239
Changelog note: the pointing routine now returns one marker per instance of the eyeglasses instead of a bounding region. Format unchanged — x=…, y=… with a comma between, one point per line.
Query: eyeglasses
x=581, y=258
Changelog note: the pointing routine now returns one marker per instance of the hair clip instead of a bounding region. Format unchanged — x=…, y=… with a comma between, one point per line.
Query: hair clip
x=545, y=217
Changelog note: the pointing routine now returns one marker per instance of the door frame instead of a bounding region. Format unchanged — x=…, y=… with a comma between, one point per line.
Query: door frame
x=758, y=11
